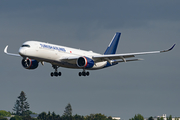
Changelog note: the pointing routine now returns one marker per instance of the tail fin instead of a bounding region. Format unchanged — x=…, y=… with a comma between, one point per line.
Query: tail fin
x=113, y=44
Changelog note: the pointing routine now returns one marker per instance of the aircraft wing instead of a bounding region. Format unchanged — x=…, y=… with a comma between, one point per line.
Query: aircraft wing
x=110, y=57
x=113, y=58
x=5, y=51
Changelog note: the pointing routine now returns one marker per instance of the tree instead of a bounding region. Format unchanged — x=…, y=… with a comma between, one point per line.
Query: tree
x=151, y=118
x=78, y=117
x=42, y=116
x=137, y=117
x=17, y=107
x=3, y=113
x=21, y=106
x=170, y=117
x=49, y=116
x=109, y=118
x=68, y=110
x=16, y=118
x=98, y=116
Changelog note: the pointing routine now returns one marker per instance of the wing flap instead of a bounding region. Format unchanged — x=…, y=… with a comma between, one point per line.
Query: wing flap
x=100, y=58
x=118, y=61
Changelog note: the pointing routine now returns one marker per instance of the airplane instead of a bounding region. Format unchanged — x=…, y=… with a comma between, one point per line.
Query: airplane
x=33, y=52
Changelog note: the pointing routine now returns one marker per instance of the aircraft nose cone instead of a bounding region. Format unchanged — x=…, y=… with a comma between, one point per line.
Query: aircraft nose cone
x=21, y=51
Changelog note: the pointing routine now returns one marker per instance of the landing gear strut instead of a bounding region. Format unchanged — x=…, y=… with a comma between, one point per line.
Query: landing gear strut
x=83, y=73
x=56, y=73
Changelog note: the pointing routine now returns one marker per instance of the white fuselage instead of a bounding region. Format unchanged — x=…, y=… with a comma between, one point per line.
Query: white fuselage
x=56, y=54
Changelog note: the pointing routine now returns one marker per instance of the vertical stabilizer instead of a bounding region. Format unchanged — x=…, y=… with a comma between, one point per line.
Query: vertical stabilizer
x=113, y=44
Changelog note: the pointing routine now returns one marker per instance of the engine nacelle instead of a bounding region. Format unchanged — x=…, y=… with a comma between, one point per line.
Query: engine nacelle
x=85, y=62
x=29, y=63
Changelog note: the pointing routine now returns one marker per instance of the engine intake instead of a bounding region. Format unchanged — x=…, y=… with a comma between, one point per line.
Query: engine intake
x=29, y=63
x=85, y=62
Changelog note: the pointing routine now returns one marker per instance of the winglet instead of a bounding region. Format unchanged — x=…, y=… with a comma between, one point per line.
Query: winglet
x=168, y=49
x=172, y=47
x=5, y=51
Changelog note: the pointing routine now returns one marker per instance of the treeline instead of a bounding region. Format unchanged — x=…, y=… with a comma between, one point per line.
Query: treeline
x=53, y=116
x=65, y=116
x=22, y=112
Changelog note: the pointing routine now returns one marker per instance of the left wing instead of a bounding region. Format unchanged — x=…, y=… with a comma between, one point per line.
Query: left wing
x=112, y=58
x=99, y=58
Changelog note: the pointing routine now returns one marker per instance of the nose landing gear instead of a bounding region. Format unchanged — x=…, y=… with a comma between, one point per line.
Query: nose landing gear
x=56, y=73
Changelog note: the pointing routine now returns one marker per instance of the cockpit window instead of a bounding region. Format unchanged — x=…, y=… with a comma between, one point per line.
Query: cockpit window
x=25, y=46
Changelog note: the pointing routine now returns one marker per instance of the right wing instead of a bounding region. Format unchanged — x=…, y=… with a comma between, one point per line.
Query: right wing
x=5, y=51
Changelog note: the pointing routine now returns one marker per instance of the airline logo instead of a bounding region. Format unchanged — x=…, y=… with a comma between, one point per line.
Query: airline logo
x=52, y=47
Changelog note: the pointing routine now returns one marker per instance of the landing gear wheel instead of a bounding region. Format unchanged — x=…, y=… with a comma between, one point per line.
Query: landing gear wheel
x=79, y=73
x=87, y=73
x=52, y=74
x=84, y=73
x=56, y=73
x=59, y=73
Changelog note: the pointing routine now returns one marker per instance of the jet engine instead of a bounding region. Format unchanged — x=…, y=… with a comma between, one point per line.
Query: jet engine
x=85, y=62
x=29, y=63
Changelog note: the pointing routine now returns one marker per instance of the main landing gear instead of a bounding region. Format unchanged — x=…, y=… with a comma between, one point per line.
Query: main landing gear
x=83, y=73
x=56, y=73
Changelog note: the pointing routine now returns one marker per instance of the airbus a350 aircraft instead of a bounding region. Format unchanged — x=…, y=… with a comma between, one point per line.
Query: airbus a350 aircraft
x=34, y=52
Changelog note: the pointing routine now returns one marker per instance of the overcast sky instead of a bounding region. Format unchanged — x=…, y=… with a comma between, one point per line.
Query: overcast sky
x=150, y=87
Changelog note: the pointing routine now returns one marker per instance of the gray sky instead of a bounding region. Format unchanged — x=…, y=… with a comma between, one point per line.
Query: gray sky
x=149, y=87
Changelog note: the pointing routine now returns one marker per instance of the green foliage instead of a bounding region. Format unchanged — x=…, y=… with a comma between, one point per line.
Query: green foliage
x=169, y=118
x=16, y=118
x=68, y=110
x=53, y=116
x=151, y=118
x=98, y=116
x=21, y=106
x=22, y=118
x=49, y=116
x=42, y=116
x=161, y=118
x=78, y=117
x=137, y=117
x=3, y=113
x=2, y=118
x=110, y=118
x=28, y=118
